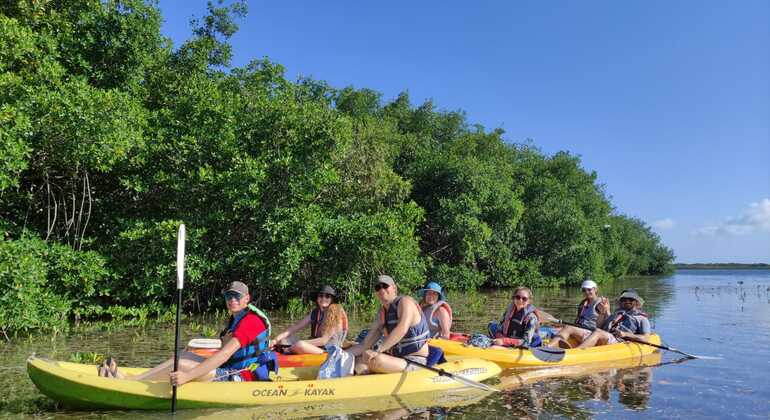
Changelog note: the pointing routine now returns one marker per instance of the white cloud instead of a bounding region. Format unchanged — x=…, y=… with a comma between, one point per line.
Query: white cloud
x=756, y=218
x=663, y=224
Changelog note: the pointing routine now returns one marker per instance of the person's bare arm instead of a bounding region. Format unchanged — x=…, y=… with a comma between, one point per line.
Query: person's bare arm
x=603, y=309
x=302, y=323
x=644, y=336
x=323, y=339
x=444, y=322
x=375, y=331
x=213, y=362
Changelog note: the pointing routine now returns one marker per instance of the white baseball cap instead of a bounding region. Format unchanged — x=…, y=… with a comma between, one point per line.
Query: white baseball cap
x=588, y=284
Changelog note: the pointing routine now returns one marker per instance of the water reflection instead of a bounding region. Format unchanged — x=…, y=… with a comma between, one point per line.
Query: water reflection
x=574, y=390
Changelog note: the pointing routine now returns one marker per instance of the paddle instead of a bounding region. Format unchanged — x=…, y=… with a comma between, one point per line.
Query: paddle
x=458, y=378
x=546, y=354
x=551, y=318
x=179, y=286
x=688, y=355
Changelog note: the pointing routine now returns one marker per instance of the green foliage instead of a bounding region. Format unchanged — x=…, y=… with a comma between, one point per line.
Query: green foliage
x=87, y=357
x=296, y=307
x=26, y=301
x=111, y=138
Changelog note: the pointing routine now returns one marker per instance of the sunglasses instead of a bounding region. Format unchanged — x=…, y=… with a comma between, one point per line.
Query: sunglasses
x=233, y=295
x=623, y=300
x=379, y=286
x=587, y=289
x=521, y=298
x=325, y=295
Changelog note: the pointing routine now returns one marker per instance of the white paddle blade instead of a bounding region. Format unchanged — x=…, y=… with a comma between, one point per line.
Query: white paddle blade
x=180, y=258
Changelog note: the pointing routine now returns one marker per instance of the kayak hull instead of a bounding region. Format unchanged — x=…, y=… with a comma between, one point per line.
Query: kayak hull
x=523, y=359
x=78, y=386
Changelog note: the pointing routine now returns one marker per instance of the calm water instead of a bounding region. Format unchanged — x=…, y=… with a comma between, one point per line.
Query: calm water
x=715, y=312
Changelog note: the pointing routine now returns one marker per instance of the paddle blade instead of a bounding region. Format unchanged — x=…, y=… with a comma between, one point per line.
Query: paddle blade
x=180, y=258
x=548, y=354
x=472, y=383
x=697, y=356
x=545, y=316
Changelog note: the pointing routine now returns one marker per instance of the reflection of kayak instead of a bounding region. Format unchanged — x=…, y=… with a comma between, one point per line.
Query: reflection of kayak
x=78, y=385
x=513, y=378
x=390, y=406
x=522, y=359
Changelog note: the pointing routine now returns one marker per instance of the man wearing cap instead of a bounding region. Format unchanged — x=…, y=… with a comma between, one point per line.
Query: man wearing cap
x=436, y=311
x=245, y=341
x=591, y=312
x=405, y=331
x=628, y=321
x=324, y=298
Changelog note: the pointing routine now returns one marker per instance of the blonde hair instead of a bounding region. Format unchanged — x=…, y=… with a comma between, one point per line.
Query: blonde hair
x=333, y=317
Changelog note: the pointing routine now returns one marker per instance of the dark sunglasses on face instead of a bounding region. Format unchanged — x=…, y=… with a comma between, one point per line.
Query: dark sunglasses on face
x=586, y=290
x=624, y=300
x=379, y=286
x=521, y=298
x=233, y=295
x=325, y=295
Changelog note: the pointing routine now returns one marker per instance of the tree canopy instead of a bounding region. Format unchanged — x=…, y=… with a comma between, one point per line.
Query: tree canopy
x=111, y=137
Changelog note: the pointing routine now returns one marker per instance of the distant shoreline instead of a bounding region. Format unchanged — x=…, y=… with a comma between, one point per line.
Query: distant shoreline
x=733, y=266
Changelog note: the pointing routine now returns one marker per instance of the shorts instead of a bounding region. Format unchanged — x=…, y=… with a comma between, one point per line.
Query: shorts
x=612, y=340
x=227, y=375
x=417, y=359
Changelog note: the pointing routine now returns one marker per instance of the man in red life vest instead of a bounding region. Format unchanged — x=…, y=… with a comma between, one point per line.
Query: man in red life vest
x=245, y=341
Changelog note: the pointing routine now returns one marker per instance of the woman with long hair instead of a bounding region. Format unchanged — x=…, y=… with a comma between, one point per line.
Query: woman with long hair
x=320, y=336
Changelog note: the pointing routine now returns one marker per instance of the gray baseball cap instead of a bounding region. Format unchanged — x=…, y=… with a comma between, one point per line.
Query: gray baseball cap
x=237, y=286
x=384, y=278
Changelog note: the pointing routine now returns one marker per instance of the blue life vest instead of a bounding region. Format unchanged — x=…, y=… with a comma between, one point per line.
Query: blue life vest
x=416, y=336
x=587, y=314
x=256, y=351
x=632, y=321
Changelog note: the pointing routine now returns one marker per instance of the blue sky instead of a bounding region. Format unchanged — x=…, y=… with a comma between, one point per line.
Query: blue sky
x=669, y=102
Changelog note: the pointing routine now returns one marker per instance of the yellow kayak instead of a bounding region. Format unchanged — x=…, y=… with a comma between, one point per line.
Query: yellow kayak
x=523, y=359
x=78, y=385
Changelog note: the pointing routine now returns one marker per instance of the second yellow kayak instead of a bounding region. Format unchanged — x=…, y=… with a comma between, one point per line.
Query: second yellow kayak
x=523, y=359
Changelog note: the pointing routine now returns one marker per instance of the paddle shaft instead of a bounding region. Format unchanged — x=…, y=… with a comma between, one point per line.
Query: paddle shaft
x=180, y=242
x=457, y=378
x=176, y=346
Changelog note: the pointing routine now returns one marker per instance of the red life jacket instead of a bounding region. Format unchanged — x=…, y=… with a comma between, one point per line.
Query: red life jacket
x=514, y=322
